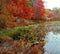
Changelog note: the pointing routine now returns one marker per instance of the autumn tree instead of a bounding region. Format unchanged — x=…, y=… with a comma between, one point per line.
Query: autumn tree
x=39, y=9
x=6, y=19
x=15, y=11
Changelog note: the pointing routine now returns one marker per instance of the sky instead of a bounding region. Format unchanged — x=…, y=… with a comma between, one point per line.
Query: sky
x=50, y=4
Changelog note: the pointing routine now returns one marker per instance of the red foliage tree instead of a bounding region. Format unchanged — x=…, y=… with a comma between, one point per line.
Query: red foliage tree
x=20, y=9
x=39, y=9
x=51, y=14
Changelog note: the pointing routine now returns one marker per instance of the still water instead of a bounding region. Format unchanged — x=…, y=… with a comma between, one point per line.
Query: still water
x=52, y=43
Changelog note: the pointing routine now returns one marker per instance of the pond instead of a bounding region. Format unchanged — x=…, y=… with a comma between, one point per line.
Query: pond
x=52, y=40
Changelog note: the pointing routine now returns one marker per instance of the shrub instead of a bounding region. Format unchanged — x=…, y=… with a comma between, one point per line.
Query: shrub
x=30, y=33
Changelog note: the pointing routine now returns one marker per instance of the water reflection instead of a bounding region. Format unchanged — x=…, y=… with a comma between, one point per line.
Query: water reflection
x=52, y=43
